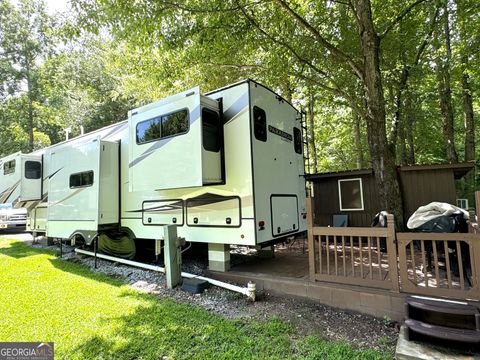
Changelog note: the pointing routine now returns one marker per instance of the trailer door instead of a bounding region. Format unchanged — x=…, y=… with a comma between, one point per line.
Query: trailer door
x=31, y=180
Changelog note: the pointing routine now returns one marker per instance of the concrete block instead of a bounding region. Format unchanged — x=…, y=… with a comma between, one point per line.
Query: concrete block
x=218, y=257
x=366, y=299
x=382, y=302
x=267, y=252
x=343, y=299
x=320, y=293
x=397, y=303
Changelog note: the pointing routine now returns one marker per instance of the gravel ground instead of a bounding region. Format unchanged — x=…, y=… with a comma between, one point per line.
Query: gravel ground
x=309, y=317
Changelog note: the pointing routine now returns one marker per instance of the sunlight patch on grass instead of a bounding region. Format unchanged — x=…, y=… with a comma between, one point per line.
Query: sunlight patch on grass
x=92, y=316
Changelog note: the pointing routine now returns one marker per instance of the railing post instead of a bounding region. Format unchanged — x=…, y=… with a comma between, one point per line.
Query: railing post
x=475, y=217
x=311, y=244
x=392, y=253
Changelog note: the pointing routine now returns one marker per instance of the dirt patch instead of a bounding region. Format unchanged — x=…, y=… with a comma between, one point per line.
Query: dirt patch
x=307, y=316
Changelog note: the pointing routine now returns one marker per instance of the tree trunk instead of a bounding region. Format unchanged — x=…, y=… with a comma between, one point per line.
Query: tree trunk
x=469, y=134
x=409, y=125
x=445, y=93
x=468, y=118
x=383, y=158
x=358, y=140
x=30, y=108
x=311, y=139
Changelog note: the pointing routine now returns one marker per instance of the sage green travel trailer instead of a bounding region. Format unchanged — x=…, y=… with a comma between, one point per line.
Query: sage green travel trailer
x=225, y=168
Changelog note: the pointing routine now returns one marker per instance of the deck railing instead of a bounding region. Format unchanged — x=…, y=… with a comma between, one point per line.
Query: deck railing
x=432, y=264
x=358, y=256
x=440, y=264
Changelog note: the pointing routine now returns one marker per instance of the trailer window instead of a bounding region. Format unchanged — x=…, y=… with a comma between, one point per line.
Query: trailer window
x=211, y=130
x=33, y=170
x=175, y=123
x=82, y=179
x=297, y=140
x=163, y=126
x=259, y=124
x=148, y=130
x=9, y=167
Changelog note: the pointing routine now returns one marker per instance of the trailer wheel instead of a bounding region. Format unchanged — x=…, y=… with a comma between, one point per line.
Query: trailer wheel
x=77, y=239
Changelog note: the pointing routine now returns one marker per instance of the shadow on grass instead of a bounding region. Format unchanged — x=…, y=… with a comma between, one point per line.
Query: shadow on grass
x=164, y=328
x=18, y=249
x=84, y=271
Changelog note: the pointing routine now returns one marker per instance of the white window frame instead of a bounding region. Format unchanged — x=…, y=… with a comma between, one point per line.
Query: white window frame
x=466, y=204
x=340, y=194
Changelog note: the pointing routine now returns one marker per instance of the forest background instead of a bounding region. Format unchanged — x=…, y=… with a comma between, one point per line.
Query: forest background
x=381, y=82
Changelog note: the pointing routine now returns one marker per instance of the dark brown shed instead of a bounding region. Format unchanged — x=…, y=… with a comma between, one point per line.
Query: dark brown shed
x=354, y=193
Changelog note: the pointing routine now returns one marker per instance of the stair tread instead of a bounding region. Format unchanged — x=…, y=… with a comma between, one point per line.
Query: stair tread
x=443, y=332
x=439, y=305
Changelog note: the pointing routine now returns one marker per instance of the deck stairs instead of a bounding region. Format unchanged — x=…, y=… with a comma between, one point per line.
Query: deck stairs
x=440, y=320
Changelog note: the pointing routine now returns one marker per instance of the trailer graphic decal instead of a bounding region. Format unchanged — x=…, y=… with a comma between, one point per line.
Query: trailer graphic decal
x=4, y=196
x=52, y=175
x=236, y=107
x=161, y=208
x=280, y=133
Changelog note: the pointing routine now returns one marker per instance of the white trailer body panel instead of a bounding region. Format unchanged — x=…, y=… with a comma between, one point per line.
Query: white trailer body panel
x=31, y=178
x=10, y=177
x=167, y=136
x=109, y=184
x=274, y=167
x=83, y=194
x=37, y=219
x=212, y=213
x=278, y=175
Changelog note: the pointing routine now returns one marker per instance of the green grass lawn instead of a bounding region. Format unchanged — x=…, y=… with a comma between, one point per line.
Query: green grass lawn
x=92, y=316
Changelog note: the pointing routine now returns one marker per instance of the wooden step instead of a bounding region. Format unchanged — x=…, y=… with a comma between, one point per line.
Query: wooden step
x=442, y=306
x=444, y=333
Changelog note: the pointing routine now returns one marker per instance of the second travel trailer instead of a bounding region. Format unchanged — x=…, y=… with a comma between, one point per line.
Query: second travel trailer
x=225, y=168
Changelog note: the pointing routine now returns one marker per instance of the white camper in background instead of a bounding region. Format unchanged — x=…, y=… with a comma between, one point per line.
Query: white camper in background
x=225, y=167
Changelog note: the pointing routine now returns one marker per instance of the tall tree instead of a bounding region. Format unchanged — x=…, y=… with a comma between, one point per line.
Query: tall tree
x=23, y=46
x=467, y=19
x=445, y=88
x=311, y=135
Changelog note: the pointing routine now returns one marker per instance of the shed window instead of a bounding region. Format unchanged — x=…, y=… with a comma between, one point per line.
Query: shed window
x=33, y=170
x=350, y=193
x=297, y=140
x=211, y=130
x=462, y=203
x=82, y=179
x=163, y=126
x=9, y=167
x=259, y=124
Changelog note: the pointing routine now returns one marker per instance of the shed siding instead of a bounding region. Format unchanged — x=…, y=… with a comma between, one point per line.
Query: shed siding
x=327, y=202
x=422, y=187
x=418, y=188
